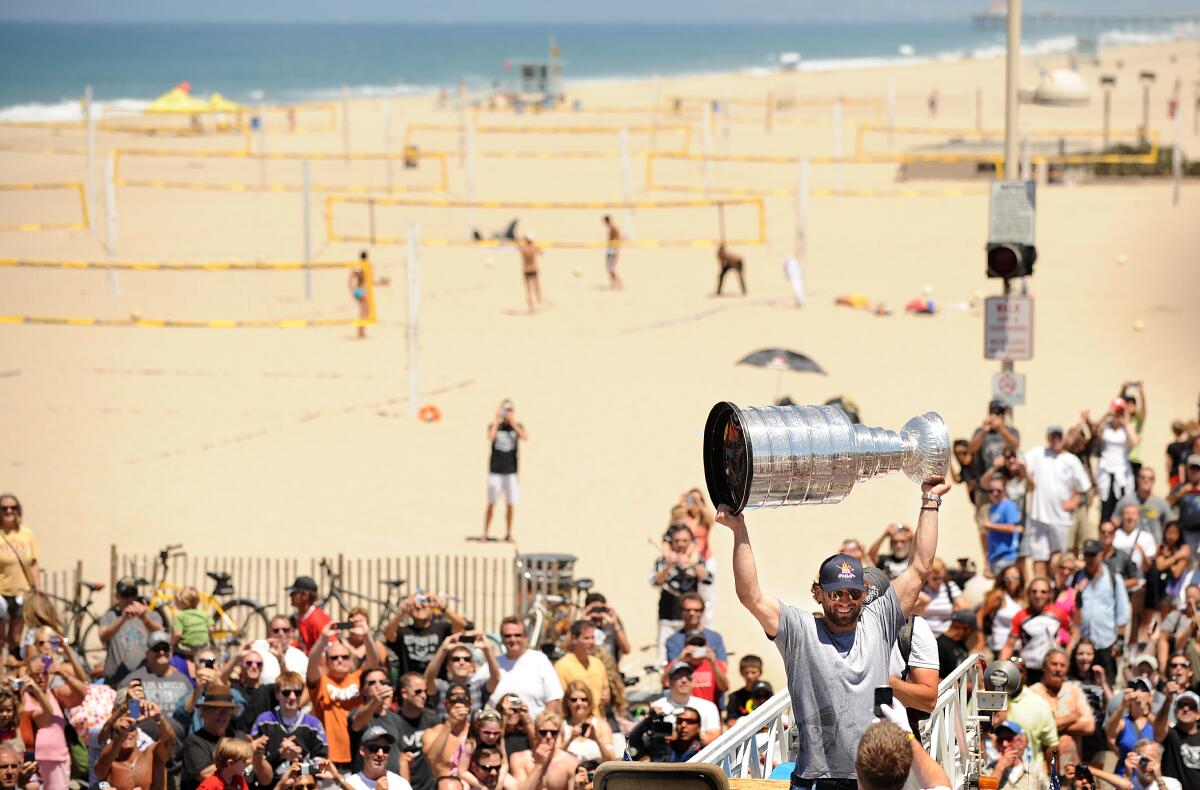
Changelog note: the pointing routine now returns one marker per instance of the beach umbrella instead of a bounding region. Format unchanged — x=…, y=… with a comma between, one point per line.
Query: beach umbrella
x=781, y=359
x=176, y=100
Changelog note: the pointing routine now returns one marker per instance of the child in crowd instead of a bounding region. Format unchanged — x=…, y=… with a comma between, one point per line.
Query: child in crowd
x=192, y=626
x=230, y=758
x=745, y=699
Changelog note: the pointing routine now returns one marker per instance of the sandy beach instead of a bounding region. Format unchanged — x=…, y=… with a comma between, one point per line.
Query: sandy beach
x=270, y=442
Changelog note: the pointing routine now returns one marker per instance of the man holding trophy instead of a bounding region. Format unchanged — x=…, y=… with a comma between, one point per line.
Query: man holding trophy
x=776, y=456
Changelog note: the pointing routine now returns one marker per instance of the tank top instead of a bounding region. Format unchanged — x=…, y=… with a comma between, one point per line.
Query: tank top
x=1002, y=620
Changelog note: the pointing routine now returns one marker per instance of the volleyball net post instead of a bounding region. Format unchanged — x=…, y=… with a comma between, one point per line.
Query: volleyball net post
x=626, y=188
x=306, y=219
x=412, y=323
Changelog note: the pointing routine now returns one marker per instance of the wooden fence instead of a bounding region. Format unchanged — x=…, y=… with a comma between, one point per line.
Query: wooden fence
x=482, y=589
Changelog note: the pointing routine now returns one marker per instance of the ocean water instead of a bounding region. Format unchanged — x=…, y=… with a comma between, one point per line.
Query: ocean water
x=44, y=68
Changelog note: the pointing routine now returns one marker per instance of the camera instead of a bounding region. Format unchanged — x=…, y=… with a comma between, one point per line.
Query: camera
x=650, y=735
x=308, y=768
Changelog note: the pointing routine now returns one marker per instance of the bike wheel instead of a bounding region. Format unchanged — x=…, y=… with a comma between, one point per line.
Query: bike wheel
x=87, y=645
x=241, y=620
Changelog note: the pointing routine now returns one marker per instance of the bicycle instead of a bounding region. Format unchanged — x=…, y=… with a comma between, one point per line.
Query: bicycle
x=389, y=605
x=81, y=628
x=235, y=620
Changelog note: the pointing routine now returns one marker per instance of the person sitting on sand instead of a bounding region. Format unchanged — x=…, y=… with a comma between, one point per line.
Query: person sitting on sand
x=529, y=255
x=729, y=262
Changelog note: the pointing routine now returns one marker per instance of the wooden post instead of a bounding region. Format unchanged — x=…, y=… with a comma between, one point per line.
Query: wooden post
x=112, y=573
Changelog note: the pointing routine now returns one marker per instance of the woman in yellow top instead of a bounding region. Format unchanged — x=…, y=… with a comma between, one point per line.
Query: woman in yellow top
x=18, y=566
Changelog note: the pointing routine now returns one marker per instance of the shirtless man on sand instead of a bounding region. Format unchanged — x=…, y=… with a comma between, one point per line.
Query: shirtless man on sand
x=545, y=766
x=121, y=763
x=529, y=255
x=611, y=252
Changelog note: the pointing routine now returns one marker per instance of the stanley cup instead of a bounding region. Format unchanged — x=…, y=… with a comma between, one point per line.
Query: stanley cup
x=772, y=456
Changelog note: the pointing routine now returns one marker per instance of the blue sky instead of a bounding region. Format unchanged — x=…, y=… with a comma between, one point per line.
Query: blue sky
x=518, y=11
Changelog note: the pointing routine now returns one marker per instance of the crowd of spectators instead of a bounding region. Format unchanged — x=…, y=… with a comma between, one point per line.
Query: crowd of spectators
x=1094, y=595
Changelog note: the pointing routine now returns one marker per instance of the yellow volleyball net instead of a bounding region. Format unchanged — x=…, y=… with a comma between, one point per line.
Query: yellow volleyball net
x=528, y=140
x=768, y=175
x=281, y=171
x=194, y=295
x=43, y=206
x=919, y=144
x=739, y=221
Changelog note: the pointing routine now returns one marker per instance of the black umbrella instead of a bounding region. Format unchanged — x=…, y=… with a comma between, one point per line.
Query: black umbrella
x=781, y=359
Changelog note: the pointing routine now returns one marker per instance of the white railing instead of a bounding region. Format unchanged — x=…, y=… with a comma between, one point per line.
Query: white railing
x=763, y=739
x=744, y=751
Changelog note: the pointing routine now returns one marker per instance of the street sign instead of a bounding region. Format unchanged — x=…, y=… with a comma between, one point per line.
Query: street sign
x=1008, y=327
x=1009, y=387
x=1011, y=212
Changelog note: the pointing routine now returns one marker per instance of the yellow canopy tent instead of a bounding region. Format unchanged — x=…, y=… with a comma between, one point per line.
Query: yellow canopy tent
x=177, y=100
x=218, y=103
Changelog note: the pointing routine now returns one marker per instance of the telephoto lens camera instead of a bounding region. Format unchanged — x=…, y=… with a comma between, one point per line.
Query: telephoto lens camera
x=649, y=737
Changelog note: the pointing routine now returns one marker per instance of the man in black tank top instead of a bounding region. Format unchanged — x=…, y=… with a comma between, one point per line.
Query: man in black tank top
x=504, y=433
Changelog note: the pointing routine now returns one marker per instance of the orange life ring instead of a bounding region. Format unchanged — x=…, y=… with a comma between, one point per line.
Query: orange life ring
x=429, y=413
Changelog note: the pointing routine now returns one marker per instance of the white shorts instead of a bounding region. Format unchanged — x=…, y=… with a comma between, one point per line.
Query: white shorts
x=610, y=258
x=503, y=485
x=1044, y=539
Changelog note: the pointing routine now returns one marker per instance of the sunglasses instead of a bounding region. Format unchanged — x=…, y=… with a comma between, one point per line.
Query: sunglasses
x=461, y=658
x=377, y=683
x=378, y=748
x=304, y=785
x=1180, y=665
x=837, y=595
x=547, y=733
x=159, y=648
x=687, y=721
x=1188, y=706
x=489, y=768
x=284, y=630
x=251, y=664
x=418, y=692
x=290, y=692
x=577, y=699
x=459, y=700
x=513, y=636
x=15, y=509
x=339, y=657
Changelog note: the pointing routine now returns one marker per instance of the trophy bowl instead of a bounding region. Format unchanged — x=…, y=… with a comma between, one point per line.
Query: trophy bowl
x=776, y=456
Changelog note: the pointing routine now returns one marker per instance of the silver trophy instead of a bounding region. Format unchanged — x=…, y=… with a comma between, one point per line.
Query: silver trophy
x=772, y=456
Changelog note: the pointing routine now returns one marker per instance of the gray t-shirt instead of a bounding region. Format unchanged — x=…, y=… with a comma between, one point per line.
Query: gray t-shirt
x=1153, y=513
x=832, y=678
x=126, y=650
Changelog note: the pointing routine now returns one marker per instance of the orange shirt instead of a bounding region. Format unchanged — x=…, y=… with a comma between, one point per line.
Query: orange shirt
x=332, y=703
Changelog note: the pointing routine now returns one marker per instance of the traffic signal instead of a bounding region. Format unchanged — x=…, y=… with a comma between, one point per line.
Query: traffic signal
x=1008, y=260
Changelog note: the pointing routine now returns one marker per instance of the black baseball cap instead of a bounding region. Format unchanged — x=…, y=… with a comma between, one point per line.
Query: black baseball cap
x=762, y=689
x=1092, y=546
x=127, y=586
x=303, y=584
x=841, y=572
x=997, y=407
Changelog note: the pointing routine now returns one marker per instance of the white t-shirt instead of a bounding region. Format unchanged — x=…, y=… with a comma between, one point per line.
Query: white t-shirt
x=295, y=659
x=1057, y=478
x=394, y=782
x=924, y=653
x=532, y=677
x=710, y=717
x=941, y=606
x=1138, y=544
x=1171, y=783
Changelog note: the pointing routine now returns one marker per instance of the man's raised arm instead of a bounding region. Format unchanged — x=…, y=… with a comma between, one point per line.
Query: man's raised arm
x=765, y=608
x=908, y=584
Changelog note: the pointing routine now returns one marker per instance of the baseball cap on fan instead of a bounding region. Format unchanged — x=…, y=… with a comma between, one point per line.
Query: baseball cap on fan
x=841, y=572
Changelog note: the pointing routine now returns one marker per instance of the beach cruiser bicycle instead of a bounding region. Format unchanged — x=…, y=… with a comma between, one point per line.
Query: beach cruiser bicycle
x=236, y=621
x=81, y=628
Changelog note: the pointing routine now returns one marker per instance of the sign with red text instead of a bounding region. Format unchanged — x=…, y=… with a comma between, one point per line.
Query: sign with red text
x=1008, y=328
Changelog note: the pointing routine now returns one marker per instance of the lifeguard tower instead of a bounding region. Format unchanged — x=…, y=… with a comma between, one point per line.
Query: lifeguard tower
x=536, y=82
